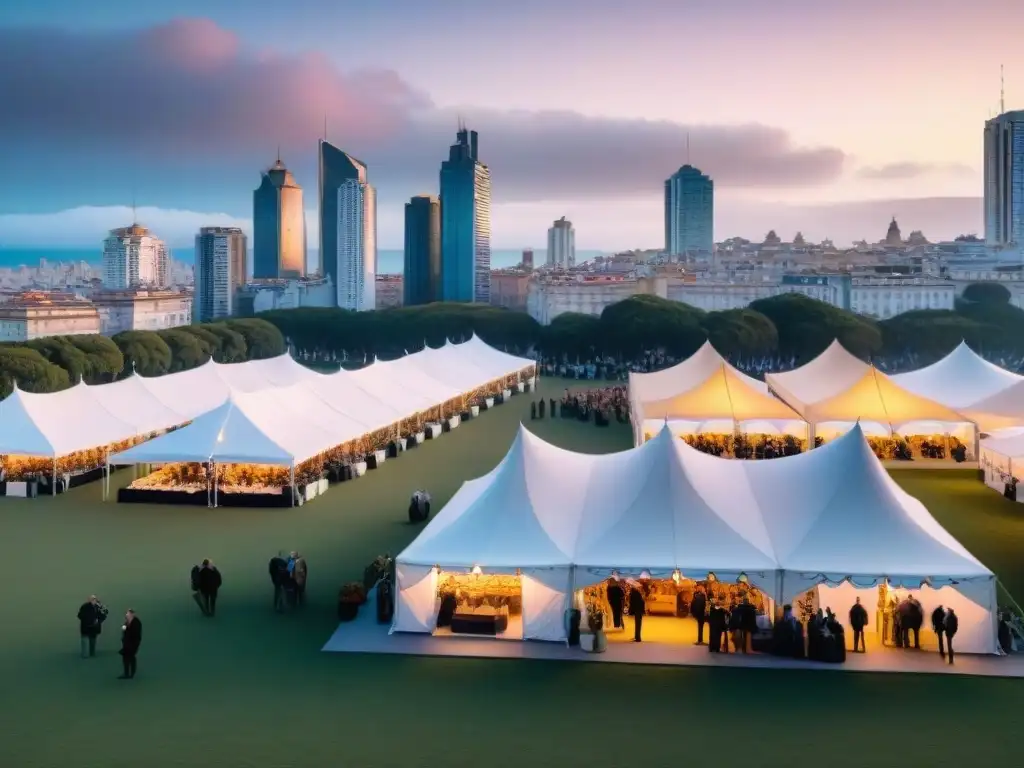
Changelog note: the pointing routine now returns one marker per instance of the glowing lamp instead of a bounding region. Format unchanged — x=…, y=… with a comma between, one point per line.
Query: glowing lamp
x=676, y=576
x=477, y=570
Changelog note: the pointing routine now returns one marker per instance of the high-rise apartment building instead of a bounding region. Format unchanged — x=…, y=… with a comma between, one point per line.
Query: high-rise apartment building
x=220, y=272
x=355, y=257
x=527, y=261
x=422, y=272
x=1004, y=179
x=134, y=258
x=562, y=244
x=465, y=223
x=279, y=226
x=689, y=213
x=335, y=169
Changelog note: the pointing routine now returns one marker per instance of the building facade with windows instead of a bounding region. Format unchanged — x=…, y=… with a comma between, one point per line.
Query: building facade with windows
x=279, y=226
x=465, y=185
x=1004, y=179
x=142, y=310
x=220, y=271
x=562, y=245
x=355, y=259
x=35, y=315
x=422, y=252
x=133, y=257
x=689, y=213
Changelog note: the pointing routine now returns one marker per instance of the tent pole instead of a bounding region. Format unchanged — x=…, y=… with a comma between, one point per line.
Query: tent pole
x=53, y=488
x=106, y=476
x=292, y=483
x=214, y=484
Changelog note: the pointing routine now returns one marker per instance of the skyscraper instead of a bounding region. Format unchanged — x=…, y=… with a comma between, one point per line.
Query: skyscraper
x=562, y=244
x=220, y=272
x=527, y=258
x=1004, y=179
x=334, y=169
x=422, y=273
x=689, y=212
x=355, y=256
x=465, y=223
x=132, y=258
x=279, y=226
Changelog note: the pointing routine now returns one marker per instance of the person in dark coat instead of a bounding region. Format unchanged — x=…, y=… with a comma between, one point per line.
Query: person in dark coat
x=131, y=640
x=637, y=609
x=209, y=584
x=533, y=411
x=951, y=625
x=540, y=410
x=903, y=611
x=616, y=599
x=939, y=627
x=716, y=628
x=748, y=625
x=699, y=610
x=858, y=620
x=916, y=615
x=554, y=409
x=300, y=574
x=91, y=616
x=278, y=575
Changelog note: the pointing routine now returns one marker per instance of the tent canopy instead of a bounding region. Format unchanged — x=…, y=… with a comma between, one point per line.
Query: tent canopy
x=684, y=376
x=134, y=403
x=58, y=423
x=959, y=380
x=1010, y=446
x=1003, y=410
x=829, y=374
x=664, y=505
x=724, y=394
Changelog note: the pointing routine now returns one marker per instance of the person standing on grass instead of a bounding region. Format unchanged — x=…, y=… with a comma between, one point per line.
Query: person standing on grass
x=939, y=627
x=278, y=575
x=950, y=625
x=131, y=640
x=209, y=584
x=698, y=609
x=637, y=609
x=858, y=620
x=299, y=574
x=91, y=616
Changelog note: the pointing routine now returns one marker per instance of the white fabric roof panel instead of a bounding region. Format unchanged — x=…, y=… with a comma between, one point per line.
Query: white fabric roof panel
x=664, y=505
x=58, y=423
x=827, y=375
x=684, y=376
x=190, y=392
x=134, y=403
x=958, y=380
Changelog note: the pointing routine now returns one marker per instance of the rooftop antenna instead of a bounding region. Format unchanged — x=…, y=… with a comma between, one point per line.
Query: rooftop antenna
x=1002, y=92
x=135, y=218
x=279, y=153
x=325, y=126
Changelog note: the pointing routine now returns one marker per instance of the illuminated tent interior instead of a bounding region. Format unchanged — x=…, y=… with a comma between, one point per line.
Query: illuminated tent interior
x=724, y=401
x=1002, y=462
x=552, y=523
x=836, y=389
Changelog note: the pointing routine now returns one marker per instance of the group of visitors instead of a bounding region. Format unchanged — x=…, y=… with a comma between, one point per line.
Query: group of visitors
x=906, y=617
x=206, y=581
x=91, y=616
x=288, y=575
x=601, y=404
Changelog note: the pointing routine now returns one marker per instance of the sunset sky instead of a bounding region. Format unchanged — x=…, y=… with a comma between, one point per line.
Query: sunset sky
x=827, y=117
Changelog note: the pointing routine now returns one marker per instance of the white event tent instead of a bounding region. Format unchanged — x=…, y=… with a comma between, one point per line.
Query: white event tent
x=1002, y=458
x=838, y=388
x=705, y=393
x=564, y=521
x=959, y=380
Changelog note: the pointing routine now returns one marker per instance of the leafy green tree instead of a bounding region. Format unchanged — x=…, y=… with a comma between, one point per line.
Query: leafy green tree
x=104, y=361
x=145, y=352
x=31, y=371
x=230, y=344
x=187, y=351
x=572, y=334
x=986, y=293
x=806, y=326
x=933, y=333
x=61, y=352
x=262, y=339
x=741, y=332
x=645, y=322
x=209, y=342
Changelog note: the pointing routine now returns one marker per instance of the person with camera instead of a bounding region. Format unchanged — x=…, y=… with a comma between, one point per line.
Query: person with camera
x=91, y=616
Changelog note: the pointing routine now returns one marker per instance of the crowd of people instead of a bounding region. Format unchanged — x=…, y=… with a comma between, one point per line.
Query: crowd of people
x=599, y=405
x=288, y=575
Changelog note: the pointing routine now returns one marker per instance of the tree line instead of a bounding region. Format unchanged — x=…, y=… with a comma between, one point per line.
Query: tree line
x=789, y=325
x=56, y=362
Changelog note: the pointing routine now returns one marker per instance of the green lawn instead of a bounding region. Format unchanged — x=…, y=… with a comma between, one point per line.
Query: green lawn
x=250, y=688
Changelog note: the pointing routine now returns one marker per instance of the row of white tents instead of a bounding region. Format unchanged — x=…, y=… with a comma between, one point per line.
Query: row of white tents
x=705, y=393
x=272, y=411
x=564, y=521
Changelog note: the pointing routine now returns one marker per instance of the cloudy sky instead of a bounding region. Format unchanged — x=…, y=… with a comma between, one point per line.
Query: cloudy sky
x=823, y=117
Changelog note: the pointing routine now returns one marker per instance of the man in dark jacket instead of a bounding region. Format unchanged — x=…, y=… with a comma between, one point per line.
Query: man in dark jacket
x=951, y=625
x=858, y=620
x=131, y=640
x=616, y=600
x=278, y=575
x=91, y=616
x=209, y=583
x=916, y=613
x=637, y=609
x=699, y=611
x=939, y=627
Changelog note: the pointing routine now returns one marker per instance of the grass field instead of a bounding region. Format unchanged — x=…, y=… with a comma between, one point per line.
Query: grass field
x=250, y=688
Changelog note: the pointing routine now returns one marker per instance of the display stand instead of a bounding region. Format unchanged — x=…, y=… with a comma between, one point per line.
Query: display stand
x=375, y=459
x=520, y=387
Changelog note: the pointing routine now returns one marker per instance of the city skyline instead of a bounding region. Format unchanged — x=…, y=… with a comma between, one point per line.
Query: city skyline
x=787, y=150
